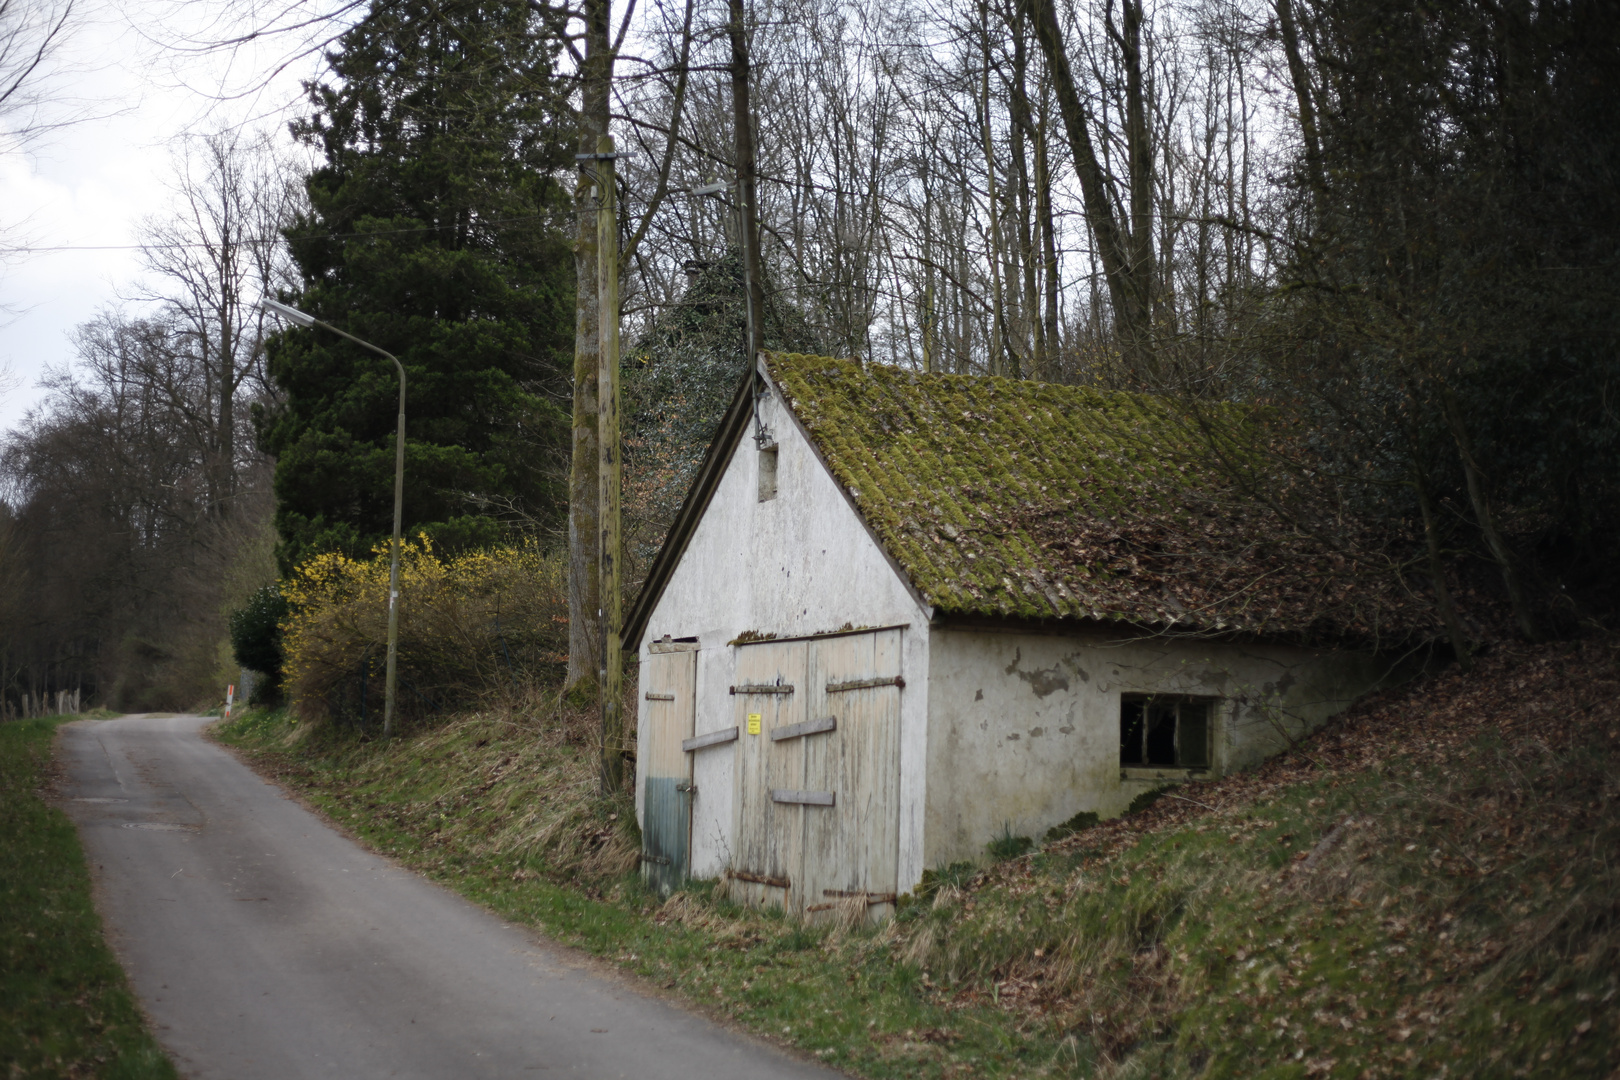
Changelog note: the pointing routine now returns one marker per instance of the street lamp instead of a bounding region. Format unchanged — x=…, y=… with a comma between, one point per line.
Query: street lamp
x=304, y=319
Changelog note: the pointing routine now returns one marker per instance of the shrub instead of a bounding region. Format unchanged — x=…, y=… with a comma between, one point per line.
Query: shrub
x=256, y=632
x=469, y=626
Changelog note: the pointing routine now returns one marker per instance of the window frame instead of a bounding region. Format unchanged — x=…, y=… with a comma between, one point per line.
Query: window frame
x=1145, y=767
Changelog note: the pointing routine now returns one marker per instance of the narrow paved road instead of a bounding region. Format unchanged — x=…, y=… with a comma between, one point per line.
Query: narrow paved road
x=265, y=945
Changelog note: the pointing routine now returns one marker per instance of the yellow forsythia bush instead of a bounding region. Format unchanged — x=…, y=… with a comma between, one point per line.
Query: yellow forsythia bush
x=469, y=625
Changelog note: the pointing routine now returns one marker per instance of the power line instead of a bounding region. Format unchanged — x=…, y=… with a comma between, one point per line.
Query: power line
x=173, y=245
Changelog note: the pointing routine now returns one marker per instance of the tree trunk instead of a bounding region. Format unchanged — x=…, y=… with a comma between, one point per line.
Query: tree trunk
x=1028, y=202
x=929, y=349
x=227, y=405
x=1437, y=571
x=1486, y=518
x=742, y=119
x=1139, y=150
x=1127, y=273
x=1049, y=260
x=1298, y=74
x=994, y=358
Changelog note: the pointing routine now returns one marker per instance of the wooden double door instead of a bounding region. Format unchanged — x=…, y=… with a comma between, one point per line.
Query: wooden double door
x=817, y=826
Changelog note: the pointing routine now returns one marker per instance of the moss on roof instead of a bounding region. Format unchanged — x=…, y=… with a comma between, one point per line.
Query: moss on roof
x=1006, y=498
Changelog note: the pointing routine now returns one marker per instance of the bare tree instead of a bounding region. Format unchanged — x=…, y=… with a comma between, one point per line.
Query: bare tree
x=135, y=510
x=210, y=263
x=32, y=33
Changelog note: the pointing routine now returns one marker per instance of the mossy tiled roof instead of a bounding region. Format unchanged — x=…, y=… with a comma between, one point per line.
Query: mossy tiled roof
x=1006, y=498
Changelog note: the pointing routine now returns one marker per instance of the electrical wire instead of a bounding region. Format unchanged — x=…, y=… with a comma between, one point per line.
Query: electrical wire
x=172, y=245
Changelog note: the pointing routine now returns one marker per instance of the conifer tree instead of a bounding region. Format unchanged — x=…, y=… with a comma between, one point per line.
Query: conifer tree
x=434, y=230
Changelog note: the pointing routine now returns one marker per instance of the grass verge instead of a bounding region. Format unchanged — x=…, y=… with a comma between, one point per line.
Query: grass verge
x=65, y=1007
x=1429, y=887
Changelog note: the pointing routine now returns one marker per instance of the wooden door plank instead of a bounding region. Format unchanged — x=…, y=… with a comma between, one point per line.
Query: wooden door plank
x=805, y=727
x=828, y=835
x=786, y=769
x=765, y=844
x=853, y=849
x=711, y=738
x=883, y=825
x=667, y=770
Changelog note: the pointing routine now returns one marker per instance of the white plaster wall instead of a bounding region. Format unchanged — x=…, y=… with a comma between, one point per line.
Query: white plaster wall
x=1024, y=728
x=801, y=563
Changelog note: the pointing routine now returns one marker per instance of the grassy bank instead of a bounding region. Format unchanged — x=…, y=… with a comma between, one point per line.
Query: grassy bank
x=65, y=1008
x=1427, y=888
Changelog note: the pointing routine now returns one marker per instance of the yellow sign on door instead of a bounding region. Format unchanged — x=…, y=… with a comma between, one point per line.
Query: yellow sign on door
x=753, y=723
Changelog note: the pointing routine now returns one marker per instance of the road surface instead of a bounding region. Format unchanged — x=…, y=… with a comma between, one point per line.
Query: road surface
x=265, y=945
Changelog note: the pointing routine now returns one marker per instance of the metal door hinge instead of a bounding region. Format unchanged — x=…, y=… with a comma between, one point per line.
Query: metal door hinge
x=866, y=684
x=802, y=798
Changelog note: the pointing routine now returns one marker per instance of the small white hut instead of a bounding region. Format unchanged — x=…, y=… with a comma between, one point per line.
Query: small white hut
x=903, y=614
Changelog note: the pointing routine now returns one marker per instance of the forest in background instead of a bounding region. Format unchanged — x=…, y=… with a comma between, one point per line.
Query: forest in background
x=1392, y=226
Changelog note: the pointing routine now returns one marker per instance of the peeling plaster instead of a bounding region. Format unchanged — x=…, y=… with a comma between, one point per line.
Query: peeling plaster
x=1044, y=681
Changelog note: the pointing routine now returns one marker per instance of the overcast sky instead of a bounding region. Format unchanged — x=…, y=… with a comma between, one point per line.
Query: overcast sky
x=91, y=184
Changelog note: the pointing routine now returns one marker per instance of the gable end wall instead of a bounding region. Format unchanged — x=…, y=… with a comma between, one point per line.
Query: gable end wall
x=801, y=563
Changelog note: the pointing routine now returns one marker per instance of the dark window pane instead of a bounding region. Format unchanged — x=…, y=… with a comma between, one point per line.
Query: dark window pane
x=1130, y=732
x=1192, y=737
x=1161, y=733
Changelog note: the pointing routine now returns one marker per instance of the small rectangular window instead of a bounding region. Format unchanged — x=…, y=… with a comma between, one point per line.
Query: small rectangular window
x=767, y=473
x=1167, y=732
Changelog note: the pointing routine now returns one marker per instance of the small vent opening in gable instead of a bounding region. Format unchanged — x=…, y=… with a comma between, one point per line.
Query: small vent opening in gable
x=767, y=472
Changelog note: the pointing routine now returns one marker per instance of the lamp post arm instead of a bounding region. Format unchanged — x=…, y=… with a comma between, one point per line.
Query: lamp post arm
x=363, y=344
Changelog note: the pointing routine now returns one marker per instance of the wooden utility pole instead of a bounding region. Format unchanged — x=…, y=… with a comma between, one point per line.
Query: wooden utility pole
x=584, y=572
x=742, y=119
x=609, y=474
